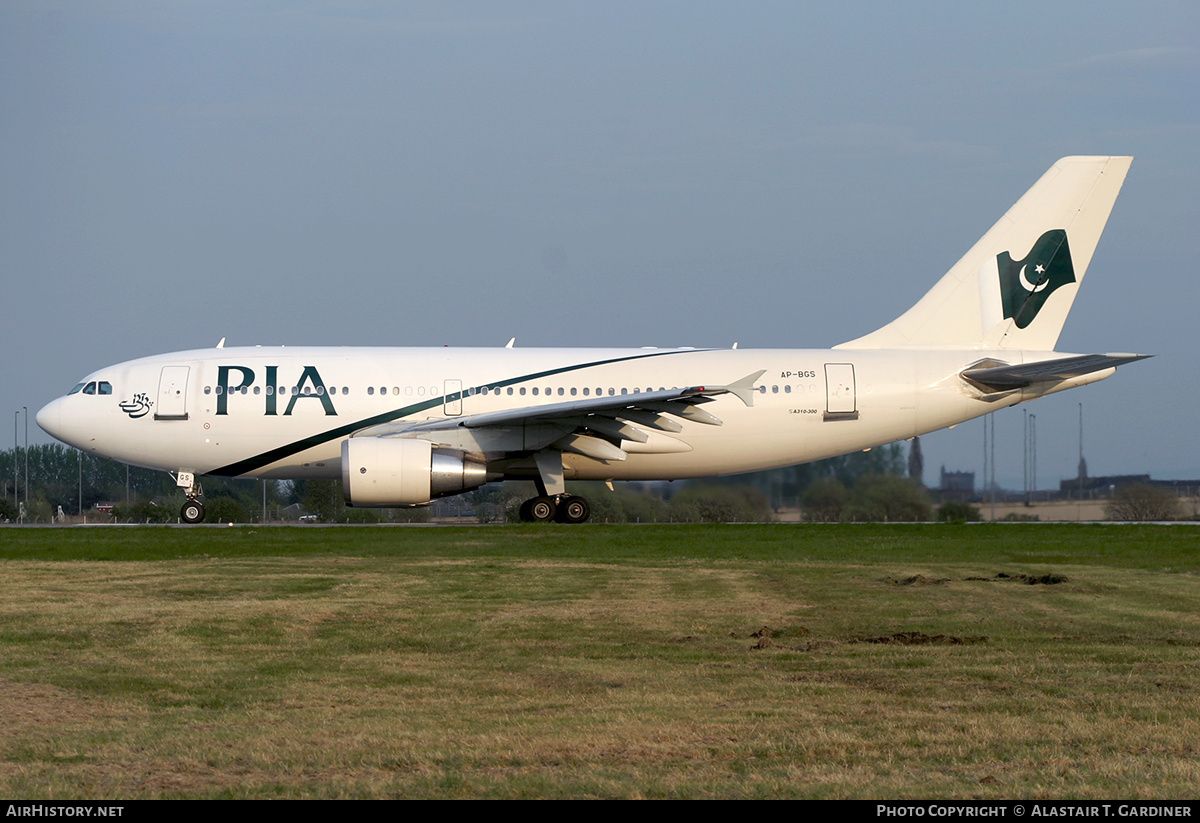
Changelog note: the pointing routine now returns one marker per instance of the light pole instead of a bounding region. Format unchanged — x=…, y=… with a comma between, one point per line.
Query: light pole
x=983, y=479
x=16, y=482
x=992, y=417
x=1026, y=477
x=1030, y=457
x=1033, y=453
x=1082, y=465
x=989, y=462
x=26, y=410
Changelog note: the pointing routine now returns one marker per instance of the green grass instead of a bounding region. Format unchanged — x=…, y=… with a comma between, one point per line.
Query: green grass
x=600, y=661
x=1155, y=547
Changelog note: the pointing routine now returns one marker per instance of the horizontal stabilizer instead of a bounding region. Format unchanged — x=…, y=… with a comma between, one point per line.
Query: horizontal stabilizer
x=1002, y=378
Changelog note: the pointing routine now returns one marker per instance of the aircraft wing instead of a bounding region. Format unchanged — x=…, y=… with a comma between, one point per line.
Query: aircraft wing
x=602, y=422
x=1003, y=378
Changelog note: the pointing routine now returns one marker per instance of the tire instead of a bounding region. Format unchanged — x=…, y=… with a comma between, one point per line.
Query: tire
x=542, y=509
x=573, y=510
x=192, y=512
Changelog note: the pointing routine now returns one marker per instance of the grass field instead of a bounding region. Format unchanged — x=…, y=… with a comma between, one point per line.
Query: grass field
x=601, y=661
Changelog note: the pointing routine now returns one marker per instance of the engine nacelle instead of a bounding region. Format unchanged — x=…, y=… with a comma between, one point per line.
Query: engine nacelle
x=390, y=471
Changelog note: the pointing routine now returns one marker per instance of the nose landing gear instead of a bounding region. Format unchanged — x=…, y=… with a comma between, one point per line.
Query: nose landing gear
x=193, y=509
x=192, y=512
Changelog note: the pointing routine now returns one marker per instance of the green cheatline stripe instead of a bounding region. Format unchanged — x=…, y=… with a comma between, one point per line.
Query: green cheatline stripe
x=269, y=457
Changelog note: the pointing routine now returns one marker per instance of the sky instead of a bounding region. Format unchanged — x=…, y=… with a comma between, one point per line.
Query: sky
x=776, y=174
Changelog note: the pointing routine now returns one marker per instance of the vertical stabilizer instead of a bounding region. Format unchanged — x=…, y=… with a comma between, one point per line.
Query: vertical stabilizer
x=1014, y=288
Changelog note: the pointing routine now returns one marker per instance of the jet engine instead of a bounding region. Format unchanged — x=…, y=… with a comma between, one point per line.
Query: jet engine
x=386, y=471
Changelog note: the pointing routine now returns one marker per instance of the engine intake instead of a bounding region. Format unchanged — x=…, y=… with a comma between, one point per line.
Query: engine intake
x=384, y=471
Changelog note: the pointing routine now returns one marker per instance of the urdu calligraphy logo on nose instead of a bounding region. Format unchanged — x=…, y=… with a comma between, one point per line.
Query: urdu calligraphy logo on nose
x=139, y=406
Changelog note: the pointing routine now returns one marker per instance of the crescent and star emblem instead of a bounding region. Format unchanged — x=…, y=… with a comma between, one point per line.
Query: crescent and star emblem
x=1030, y=287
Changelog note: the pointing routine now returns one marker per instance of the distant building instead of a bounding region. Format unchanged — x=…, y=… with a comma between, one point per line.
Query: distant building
x=957, y=485
x=1088, y=484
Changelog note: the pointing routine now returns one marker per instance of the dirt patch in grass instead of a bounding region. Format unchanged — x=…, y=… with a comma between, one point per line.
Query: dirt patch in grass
x=768, y=637
x=1028, y=579
x=1002, y=577
x=920, y=639
x=916, y=580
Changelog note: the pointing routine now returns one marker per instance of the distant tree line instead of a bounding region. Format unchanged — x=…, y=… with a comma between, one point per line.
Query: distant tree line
x=864, y=486
x=60, y=476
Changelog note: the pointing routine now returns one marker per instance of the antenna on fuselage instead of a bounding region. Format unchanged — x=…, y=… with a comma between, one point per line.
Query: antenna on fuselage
x=221, y=343
x=509, y=344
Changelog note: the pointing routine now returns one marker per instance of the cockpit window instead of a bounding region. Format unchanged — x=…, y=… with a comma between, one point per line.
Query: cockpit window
x=94, y=387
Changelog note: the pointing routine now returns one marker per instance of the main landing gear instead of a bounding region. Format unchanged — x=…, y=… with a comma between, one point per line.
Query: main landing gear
x=561, y=508
x=553, y=502
x=193, y=509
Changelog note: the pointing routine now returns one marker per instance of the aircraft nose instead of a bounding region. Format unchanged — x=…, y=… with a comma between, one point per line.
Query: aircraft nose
x=50, y=419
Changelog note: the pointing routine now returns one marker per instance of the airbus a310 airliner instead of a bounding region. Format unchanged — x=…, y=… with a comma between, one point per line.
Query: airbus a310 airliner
x=402, y=426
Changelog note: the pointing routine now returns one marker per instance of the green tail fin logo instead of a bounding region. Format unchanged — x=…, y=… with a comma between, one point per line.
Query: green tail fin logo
x=1025, y=284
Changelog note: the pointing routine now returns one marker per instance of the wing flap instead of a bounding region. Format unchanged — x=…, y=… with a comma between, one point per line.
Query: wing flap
x=592, y=447
x=647, y=419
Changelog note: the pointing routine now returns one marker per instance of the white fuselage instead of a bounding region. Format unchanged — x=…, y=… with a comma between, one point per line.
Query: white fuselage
x=284, y=412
